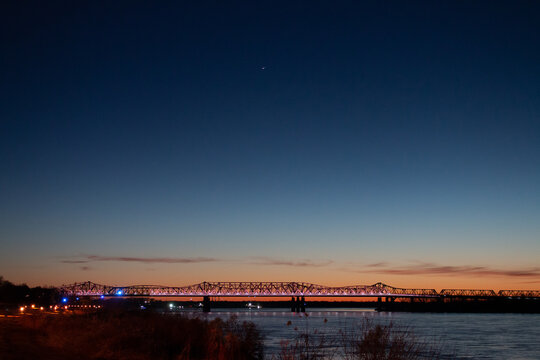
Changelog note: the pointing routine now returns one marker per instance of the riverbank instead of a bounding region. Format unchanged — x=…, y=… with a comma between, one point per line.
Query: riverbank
x=127, y=335
x=483, y=305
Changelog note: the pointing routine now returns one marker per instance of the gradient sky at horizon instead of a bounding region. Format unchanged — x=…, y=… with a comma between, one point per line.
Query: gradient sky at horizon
x=334, y=143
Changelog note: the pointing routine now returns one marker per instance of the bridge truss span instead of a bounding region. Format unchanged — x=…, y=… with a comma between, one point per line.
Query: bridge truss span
x=520, y=293
x=246, y=289
x=467, y=293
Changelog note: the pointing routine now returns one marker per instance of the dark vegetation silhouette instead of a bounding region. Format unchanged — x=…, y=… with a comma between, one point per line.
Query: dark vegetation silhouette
x=146, y=335
x=15, y=295
x=366, y=341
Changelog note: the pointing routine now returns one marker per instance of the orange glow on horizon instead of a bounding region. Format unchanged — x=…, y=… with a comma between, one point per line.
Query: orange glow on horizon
x=133, y=274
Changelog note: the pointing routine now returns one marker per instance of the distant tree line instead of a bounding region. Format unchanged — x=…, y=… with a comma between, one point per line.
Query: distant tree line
x=23, y=294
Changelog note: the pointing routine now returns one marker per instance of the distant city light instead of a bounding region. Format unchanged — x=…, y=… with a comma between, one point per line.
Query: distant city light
x=171, y=305
x=119, y=292
x=64, y=300
x=102, y=297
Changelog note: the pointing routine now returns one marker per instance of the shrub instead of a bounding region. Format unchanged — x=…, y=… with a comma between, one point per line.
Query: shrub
x=366, y=341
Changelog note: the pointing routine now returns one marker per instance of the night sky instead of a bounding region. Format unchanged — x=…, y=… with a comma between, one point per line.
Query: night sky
x=328, y=142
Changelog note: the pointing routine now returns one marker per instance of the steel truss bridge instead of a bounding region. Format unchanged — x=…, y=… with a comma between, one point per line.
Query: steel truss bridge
x=283, y=289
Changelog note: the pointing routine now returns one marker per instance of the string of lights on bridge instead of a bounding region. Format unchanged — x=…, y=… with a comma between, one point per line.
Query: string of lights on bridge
x=280, y=289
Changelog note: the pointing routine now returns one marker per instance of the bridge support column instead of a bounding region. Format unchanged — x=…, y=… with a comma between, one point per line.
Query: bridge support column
x=293, y=304
x=303, y=304
x=206, y=304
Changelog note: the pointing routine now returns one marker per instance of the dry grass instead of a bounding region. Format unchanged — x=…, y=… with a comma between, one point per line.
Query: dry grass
x=120, y=335
x=140, y=335
x=367, y=341
x=385, y=342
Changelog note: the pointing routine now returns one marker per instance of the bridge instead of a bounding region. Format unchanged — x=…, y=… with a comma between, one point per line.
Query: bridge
x=296, y=290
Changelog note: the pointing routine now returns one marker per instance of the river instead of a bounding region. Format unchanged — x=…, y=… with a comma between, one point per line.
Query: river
x=461, y=336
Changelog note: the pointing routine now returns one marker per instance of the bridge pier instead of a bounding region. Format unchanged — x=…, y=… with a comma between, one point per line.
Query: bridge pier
x=298, y=304
x=295, y=304
x=206, y=304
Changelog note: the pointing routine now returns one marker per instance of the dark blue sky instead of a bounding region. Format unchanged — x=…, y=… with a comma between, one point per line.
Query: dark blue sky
x=343, y=133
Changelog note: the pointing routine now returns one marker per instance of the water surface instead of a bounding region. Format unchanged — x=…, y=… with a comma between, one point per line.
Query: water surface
x=463, y=336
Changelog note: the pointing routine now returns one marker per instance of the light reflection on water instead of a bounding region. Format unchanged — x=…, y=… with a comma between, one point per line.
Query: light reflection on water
x=463, y=336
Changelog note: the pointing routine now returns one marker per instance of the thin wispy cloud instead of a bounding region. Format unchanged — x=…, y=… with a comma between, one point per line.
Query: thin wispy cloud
x=436, y=269
x=257, y=260
x=294, y=263
x=376, y=265
x=164, y=260
x=530, y=282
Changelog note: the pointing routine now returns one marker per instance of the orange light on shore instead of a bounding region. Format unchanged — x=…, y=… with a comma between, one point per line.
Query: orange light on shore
x=22, y=308
x=41, y=308
x=33, y=306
